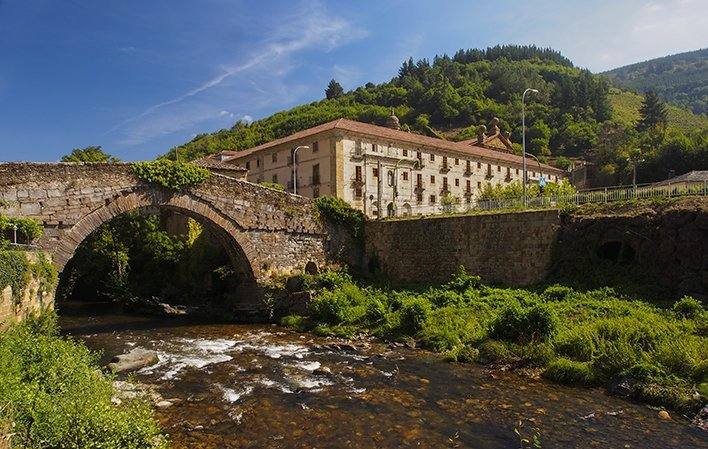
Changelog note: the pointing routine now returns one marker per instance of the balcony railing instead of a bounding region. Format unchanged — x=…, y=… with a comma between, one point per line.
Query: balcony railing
x=445, y=168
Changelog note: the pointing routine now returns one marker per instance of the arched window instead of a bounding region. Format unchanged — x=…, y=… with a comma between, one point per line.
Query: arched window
x=391, y=210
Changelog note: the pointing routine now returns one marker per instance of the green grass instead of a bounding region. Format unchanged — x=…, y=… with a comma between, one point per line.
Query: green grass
x=625, y=109
x=575, y=337
x=54, y=396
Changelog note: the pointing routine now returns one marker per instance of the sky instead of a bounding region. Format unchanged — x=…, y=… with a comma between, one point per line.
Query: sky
x=141, y=76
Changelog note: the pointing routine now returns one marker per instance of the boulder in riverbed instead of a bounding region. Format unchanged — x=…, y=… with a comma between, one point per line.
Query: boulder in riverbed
x=133, y=360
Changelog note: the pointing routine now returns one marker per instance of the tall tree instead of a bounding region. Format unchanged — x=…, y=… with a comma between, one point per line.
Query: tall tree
x=334, y=90
x=89, y=154
x=652, y=112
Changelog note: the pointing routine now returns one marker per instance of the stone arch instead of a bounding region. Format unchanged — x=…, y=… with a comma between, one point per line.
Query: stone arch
x=230, y=234
x=406, y=210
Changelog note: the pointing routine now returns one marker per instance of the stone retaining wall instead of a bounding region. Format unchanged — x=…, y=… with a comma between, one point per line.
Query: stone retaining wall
x=31, y=301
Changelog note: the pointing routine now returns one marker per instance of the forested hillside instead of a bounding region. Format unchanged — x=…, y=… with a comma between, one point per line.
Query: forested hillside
x=681, y=79
x=573, y=114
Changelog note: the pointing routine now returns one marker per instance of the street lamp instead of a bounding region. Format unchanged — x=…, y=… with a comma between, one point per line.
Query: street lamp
x=14, y=233
x=523, y=136
x=295, y=167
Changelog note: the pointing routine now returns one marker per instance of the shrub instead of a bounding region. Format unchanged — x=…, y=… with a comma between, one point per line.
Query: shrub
x=28, y=229
x=343, y=305
x=569, y=372
x=643, y=371
x=296, y=322
x=614, y=358
x=338, y=211
x=688, y=307
x=450, y=327
x=169, y=174
x=272, y=185
x=461, y=281
x=462, y=353
x=576, y=343
x=524, y=324
x=557, y=292
x=535, y=354
x=682, y=356
x=492, y=351
x=414, y=312
x=59, y=398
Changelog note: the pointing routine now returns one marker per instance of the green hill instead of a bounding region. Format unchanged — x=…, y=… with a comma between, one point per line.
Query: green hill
x=575, y=113
x=625, y=110
x=681, y=79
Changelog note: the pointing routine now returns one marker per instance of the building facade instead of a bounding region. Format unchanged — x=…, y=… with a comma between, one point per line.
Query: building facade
x=385, y=171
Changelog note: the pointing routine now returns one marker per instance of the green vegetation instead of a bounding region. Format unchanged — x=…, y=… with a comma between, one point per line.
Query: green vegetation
x=272, y=185
x=626, y=105
x=53, y=395
x=338, y=211
x=514, y=190
x=169, y=174
x=28, y=229
x=16, y=270
x=134, y=255
x=574, y=337
x=679, y=79
x=89, y=154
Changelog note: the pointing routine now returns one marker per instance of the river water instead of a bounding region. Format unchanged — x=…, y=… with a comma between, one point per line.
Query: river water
x=261, y=386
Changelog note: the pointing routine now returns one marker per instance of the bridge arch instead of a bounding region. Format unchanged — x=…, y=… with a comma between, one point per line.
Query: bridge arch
x=228, y=232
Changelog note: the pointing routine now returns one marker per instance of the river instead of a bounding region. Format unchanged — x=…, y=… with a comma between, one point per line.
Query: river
x=262, y=386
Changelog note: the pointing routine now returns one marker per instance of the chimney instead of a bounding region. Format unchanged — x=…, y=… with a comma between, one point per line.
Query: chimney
x=480, y=134
x=393, y=122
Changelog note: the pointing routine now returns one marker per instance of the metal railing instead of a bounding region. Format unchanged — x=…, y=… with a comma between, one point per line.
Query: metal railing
x=601, y=195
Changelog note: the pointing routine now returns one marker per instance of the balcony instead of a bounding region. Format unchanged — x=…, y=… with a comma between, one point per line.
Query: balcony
x=468, y=193
x=445, y=168
x=419, y=188
x=489, y=175
x=468, y=171
x=358, y=154
x=419, y=164
x=445, y=190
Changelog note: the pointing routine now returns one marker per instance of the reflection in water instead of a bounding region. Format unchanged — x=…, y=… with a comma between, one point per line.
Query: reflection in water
x=237, y=386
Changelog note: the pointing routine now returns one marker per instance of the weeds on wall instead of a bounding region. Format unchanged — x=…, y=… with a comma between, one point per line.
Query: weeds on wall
x=594, y=337
x=338, y=211
x=170, y=174
x=16, y=270
x=28, y=229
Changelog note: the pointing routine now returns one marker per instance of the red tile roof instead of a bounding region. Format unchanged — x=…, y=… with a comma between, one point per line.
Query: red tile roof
x=384, y=133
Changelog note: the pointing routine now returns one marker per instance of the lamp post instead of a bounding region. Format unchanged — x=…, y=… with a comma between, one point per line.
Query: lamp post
x=295, y=167
x=523, y=136
x=14, y=233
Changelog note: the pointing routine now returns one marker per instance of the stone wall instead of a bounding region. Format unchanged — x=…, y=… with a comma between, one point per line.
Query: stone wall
x=511, y=248
x=658, y=251
x=30, y=301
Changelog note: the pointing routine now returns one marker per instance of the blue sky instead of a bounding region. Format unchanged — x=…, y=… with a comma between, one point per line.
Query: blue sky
x=140, y=76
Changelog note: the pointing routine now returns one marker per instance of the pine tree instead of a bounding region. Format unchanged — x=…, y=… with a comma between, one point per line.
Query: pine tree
x=334, y=90
x=653, y=112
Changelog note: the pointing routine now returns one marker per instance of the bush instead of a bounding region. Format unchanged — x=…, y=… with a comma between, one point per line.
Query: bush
x=461, y=281
x=688, y=307
x=557, y=292
x=576, y=343
x=450, y=327
x=414, y=313
x=492, y=351
x=524, y=324
x=462, y=353
x=569, y=372
x=535, y=354
x=343, y=305
x=682, y=356
x=272, y=185
x=615, y=358
x=338, y=211
x=169, y=174
x=58, y=397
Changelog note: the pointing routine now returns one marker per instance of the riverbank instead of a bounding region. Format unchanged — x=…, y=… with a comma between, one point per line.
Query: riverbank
x=579, y=338
x=53, y=394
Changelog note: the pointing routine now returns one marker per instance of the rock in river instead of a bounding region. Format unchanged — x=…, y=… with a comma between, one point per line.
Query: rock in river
x=133, y=360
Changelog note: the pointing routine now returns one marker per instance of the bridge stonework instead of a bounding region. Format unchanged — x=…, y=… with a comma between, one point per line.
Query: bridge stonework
x=262, y=229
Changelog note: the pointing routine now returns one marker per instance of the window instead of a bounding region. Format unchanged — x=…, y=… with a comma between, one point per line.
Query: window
x=432, y=199
x=391, y=178
x=374, y=147
x=533, y=174
x=375, y=172
x=432, y=179
x=358, y=183
x=479, y=185
x=457, y=182
x=479, y=165
x=316, y=174
x=405, y=152
x=315, y=147
x=498, y=168
x=517, y=171
x=419, y=197
x=248, y=165
x=275, y=179
x=444, y=161
x=274, y=157
x=432, y=157
x=419, y=180
x=444, y=183
x=405, y=176
x=468, y=168
x=258, y=162
x=508, y=172
x=457, y=161
x=469, y=186
x=419, y=155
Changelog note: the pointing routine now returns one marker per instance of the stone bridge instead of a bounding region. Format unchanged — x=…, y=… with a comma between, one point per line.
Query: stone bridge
x=263, y=230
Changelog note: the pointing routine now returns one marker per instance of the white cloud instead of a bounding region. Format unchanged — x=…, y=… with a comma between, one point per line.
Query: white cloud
x=311, y=28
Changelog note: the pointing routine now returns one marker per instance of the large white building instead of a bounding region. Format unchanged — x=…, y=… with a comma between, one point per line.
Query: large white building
x=386, y=171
